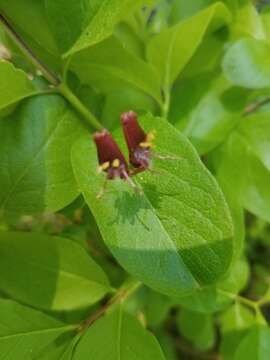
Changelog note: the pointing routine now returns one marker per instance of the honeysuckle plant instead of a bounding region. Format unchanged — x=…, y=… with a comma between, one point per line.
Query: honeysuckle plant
x=134, y=179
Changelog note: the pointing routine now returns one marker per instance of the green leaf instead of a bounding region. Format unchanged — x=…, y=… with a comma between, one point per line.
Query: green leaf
x=255, y=346
x=207, y=109
x=29, y=19
x=127, y=339
x=248, y=145
x=235, y=323
x=35, y=173
x=171, y=50
x=109, y=65
x=153, y=305
x=215, y=298
x=236, y=318
x=176, y=237
x=49, y=272
x=97, y=20
x=247, y=21
x=123, y=100
x=24, y=332
x=198, y=328
x=61, y=349
x=246, y=63
x=14, y=85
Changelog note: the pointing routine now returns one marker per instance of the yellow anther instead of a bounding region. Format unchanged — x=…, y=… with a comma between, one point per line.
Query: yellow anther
x=146, y=144
x=116, y=163
x=103, y=167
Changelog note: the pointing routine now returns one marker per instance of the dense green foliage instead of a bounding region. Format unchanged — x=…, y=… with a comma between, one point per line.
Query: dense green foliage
x=178, y=269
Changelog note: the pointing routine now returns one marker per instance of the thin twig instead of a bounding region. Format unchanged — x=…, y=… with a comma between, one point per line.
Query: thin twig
x=119, y=297
x=255, y=106
x=47, y=73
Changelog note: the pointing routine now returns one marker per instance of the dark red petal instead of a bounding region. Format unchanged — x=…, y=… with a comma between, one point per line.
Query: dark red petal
x=108, y=149
x=133, y=133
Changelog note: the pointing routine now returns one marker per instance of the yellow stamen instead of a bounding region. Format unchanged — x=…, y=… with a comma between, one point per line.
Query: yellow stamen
x=103, y=167
x=146, y=144
x=116, y=163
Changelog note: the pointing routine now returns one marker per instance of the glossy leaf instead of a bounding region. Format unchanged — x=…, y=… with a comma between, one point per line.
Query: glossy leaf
x=108, y=66
x=171, y=50
x=25, y=332
x=14, y=85
x=246, y=63
x=127, y=340
x=49, y=272
x=176, y=237
x=35, y=172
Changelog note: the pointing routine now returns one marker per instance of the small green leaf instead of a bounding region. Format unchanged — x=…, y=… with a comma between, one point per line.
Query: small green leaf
x=36, y=173
x=177, y=236
x=171, y=50
x=14, y=85
x=235, y=323
x=127, y=339
x=49, y=272
x=100, y=19
x=246, y=63
x=255, y=345
x=109, y=65
x=24, y=332
x=198, y=328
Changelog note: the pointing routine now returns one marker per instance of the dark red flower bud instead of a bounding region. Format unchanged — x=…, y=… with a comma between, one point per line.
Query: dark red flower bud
x=138, y=142
x=111, y=159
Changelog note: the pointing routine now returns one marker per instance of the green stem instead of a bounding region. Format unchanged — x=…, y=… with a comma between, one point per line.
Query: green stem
x=78, y=105
x=121, y=296
x=52, y=78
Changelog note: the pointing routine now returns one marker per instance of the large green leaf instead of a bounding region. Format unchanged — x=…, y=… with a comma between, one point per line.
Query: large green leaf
x=24, y=332
x=127, y=339
x=35, y=173
x=109, y=65
x=49, y=272
x=92, y=21
x=14, y=85
x=175, y=237
x=246, y=63
x=255, y=346
x=171, y=50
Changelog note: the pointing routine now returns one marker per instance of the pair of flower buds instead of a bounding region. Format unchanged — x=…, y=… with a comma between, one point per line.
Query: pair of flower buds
x=111, y=158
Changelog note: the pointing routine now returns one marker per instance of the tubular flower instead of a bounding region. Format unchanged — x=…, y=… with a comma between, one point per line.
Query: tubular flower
x=138, y=142
x=111, y=159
